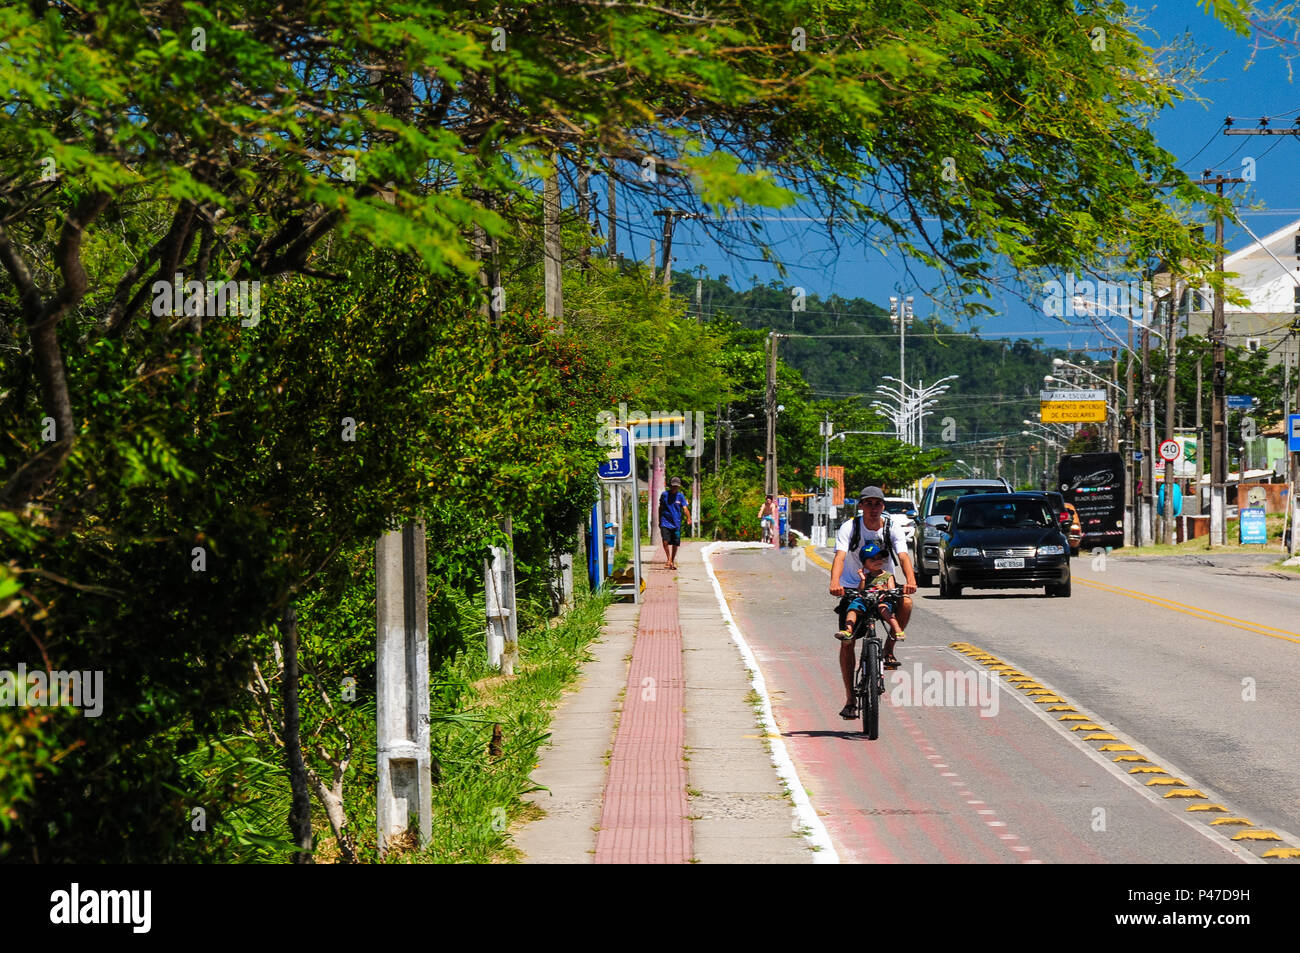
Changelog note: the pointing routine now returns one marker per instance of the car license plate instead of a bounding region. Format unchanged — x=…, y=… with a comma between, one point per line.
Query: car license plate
x=1017, y=562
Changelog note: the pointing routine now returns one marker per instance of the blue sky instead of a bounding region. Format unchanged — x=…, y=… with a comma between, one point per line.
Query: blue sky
x=1192, y=131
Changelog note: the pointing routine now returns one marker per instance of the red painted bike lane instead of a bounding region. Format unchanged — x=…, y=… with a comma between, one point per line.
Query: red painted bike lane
x=981, y=782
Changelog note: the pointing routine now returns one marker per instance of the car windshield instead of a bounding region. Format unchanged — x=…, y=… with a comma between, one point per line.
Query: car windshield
x=899, y=506
x=1004, y=514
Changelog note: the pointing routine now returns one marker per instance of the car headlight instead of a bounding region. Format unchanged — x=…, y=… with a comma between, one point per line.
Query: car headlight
x=1051, y=550
x=970, y=551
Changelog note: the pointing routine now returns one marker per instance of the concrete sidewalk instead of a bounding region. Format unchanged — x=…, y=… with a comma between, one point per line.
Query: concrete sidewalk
x=637, y=718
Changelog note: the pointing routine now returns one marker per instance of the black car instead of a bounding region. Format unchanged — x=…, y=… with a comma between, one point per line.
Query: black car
x=1002, y=541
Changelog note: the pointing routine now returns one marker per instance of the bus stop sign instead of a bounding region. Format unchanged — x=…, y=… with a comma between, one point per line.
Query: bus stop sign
x=619, y=464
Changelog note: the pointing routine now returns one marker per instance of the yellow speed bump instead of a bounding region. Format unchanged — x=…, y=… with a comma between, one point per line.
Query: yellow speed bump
x=1154, y=782
x=1240, y=821
x=1116, y=748
x=1285, y=852
x=1184, y=792
x=1131, y=757
x=1071, y=717
x=1207, y=807
x=1047, y=699
x=1256, y=835
x=1064, y=708
x=1086, y=727
x=1099, y=736
x=1147, y=769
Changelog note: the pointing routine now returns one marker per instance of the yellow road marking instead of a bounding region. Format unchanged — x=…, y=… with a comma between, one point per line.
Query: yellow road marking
x=1282, y=852
x=1230, y=820
x=1207, y=807
x=1145, y=769
x=1184, y=792
x=1256, y=835
x=1196, y=612
x=1099, y=736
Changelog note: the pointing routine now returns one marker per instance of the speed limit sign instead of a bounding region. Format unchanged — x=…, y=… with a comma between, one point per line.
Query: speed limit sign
x=1169, y=450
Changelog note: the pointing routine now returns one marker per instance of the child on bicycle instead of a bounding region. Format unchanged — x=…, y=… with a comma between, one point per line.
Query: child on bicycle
x=873, y=579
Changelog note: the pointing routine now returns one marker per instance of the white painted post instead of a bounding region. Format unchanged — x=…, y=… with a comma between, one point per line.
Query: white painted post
x=402, y=674
x=510, y=651
x=494, y=572
x=566, y=580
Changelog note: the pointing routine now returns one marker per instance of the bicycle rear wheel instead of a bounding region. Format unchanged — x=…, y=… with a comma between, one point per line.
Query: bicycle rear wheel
x=868, y=683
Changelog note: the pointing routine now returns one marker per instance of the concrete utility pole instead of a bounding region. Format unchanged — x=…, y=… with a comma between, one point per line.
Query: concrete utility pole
x=551, y=249
x=402, y=677
x=584, y=212
x=613, y=217
x=1148, y=427
x=670, y=217
x=1170, y=371
x=1133, y=445
x=1218, y=381
x=769, y=475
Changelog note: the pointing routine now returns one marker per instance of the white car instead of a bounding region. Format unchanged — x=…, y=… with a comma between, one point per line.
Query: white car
x=902, y=511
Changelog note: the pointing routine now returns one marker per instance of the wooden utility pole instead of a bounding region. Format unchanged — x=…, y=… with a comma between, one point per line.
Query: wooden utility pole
x=769, y=476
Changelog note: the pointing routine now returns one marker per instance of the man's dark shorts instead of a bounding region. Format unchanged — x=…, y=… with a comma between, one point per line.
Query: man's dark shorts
x=672, y=537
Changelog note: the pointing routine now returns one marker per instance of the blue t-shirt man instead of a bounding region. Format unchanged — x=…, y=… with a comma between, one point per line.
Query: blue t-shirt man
x=673, y=513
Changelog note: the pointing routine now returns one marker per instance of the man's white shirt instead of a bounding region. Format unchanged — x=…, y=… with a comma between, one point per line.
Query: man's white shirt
x=849, y=575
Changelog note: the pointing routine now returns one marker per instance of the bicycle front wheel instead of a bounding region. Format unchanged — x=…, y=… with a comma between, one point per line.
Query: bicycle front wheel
x=870, y=696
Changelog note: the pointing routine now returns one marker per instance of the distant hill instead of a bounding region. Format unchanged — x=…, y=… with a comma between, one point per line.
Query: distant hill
x=998, y=380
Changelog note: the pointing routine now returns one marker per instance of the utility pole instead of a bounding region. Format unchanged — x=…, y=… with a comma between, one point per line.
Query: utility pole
x=1131, y=465
x=1218, y=379
x=769, y=476
x=1170, y=367
x=717, y=442
x=613, y=216
x=1144, y=518
x=551, y=249
x=584, y=212
x=670, y=217
x=1200, y=437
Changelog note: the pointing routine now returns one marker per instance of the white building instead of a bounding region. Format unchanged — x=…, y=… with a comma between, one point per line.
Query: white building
x=1268, y=273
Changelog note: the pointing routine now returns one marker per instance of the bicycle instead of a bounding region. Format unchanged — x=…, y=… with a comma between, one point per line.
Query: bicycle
x=869, y=685
x=769, y=530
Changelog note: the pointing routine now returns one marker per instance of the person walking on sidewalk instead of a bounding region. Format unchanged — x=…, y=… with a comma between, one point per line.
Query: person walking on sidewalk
x=673, y=515
x=870, y=524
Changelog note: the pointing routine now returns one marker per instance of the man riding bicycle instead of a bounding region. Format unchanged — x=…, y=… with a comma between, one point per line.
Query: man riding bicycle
x=871, y=524
x=767, y=514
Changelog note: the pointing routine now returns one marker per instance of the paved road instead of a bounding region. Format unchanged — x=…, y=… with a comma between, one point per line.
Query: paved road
x=997, y=777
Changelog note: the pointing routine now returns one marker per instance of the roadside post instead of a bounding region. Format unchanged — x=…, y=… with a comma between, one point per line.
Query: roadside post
x=783, y=507
x=402, y=676
x=617, y=469
x=1293, y=448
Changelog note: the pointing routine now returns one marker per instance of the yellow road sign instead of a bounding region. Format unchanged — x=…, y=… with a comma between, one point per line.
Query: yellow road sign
x=1072, y=411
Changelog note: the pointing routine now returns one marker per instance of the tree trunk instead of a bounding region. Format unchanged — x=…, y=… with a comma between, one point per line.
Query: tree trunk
x=300, y=809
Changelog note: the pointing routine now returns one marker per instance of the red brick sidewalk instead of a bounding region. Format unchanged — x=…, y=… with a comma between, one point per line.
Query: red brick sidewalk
x=645, y=809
